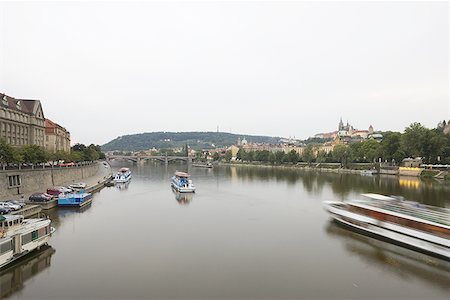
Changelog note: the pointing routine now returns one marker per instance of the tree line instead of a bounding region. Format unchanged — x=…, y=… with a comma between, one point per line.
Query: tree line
x=432, y=145
x=33, y=154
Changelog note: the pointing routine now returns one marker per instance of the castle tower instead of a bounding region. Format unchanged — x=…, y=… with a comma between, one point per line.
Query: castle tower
x=341, y=125
x=370, y=129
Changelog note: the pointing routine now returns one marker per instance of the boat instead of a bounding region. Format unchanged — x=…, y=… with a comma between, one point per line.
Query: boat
x=183, y=198
x=368, y=172
x=181, y=183
x=19, y=236
x=77, y=186
x=207, y=165
x=418, y=226
x=78, y=199
x=124, y=175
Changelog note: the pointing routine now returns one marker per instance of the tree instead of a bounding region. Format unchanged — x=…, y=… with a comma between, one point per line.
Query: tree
x=7, y=152
x=241, y=154
x=342, y=154
x=308, y=153
x=34, y=154
x=414, y=140
x=216, y=156
x=228, y=155
x=370, y=149
x=293, y=156
x=279, y=157
x=391, y=148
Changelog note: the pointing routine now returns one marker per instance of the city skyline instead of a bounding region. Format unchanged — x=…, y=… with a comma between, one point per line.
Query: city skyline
x=252, y=68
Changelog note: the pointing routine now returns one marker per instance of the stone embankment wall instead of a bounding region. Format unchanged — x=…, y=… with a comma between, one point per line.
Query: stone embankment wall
x=41, y=179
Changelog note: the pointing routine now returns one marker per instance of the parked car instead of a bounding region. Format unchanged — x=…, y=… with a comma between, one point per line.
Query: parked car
x=22, y=204
x=5, y=210
x=55, y=191
x=40, y=197
x=10, y=205
x=78, y=185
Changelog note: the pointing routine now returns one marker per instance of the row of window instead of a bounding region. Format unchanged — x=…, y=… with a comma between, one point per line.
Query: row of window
x=14, y=116
x=34, y=235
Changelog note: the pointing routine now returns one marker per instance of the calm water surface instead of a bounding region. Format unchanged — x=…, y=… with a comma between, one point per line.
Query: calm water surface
x=248, y=233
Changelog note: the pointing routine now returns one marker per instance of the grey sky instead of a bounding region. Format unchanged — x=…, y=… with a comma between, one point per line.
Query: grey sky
x=286, y=69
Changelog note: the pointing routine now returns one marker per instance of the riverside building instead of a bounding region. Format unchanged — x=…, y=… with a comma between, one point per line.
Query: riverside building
x=21, y=121
x=57, y=138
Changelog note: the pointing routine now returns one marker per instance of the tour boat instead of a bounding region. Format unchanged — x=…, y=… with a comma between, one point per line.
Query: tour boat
x=124, y=175
x=75, y=199
x=182, y=183
x=421, y=227
x=207, y=165
x=19, y=236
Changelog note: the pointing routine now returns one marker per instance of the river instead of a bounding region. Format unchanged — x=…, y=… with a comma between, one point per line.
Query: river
x=247, y=233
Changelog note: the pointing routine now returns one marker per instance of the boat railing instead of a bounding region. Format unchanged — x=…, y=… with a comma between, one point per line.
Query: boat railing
x=424, y=213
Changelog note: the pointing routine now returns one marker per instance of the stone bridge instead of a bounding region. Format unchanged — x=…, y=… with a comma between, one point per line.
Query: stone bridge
x=140, y=159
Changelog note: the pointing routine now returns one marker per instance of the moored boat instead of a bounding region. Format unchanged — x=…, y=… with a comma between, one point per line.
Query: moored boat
x=124, y=175
x=19, y=236
x=421, y=227
x=75, y=199
x=182, y=183
x=207, y=165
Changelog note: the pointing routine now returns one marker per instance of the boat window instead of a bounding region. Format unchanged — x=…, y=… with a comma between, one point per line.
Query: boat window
x=5, y=247
x=34, y=235
x=26, y=238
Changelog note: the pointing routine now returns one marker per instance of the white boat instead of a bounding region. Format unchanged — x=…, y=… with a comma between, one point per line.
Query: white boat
x=124, y=175
x=19, y=236
x=182, y=183
x=421, y=227
x=368, y=172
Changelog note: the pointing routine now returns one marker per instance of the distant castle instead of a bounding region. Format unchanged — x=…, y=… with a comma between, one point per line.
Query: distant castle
x=347, y=131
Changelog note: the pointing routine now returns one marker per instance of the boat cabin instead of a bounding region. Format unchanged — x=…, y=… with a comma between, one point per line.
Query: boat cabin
x=9, y=221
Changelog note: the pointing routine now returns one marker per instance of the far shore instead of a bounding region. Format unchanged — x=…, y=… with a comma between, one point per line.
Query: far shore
x=318, y=168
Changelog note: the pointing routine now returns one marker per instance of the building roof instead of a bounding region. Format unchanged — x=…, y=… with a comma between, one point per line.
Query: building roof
x=29, y=107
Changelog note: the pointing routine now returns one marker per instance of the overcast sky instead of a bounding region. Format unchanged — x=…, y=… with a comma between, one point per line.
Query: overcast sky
x=285, y=69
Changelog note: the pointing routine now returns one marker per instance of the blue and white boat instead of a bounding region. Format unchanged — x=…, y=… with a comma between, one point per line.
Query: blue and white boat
x=124, y=175
x=75, y=199
x=181, y=183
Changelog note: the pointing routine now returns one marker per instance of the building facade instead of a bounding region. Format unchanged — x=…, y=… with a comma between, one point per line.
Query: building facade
x=21, y=121
x=57, y=138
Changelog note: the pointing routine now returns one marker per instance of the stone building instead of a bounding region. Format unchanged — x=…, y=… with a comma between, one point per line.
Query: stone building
x=21, y=121
x=57, y=138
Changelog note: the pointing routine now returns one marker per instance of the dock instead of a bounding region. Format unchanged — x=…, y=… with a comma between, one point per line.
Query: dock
x=28, y=211
x=45, y=204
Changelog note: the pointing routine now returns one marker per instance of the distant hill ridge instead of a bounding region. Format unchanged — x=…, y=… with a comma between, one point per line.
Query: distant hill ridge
x=196, y=140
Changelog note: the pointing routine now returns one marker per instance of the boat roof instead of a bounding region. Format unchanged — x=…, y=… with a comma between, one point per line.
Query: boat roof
x=409, y=209
x=10, y=217
x=182, y=174
x=124, y=170
x=377, y=196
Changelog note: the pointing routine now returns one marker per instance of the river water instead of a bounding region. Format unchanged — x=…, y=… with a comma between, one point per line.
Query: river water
x=247, y=233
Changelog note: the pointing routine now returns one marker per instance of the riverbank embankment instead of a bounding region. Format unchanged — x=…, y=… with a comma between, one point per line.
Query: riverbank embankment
x=408, y=172
x=20, y=184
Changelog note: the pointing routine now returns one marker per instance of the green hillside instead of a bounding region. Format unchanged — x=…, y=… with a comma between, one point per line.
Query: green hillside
x=196, y=140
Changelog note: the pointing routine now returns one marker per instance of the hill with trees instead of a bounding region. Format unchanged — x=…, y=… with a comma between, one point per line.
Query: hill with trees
x=195, y=140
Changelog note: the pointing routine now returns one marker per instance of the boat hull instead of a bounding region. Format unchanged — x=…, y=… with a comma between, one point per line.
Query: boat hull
x=183, y=189
x=75, y=202
x=9, y=257
x=390, y=232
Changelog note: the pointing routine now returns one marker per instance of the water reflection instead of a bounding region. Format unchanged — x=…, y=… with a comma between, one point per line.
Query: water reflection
x=12, y=278
x=398, y=260
x=183, y=198
x=430, y=192
x=122, y=185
